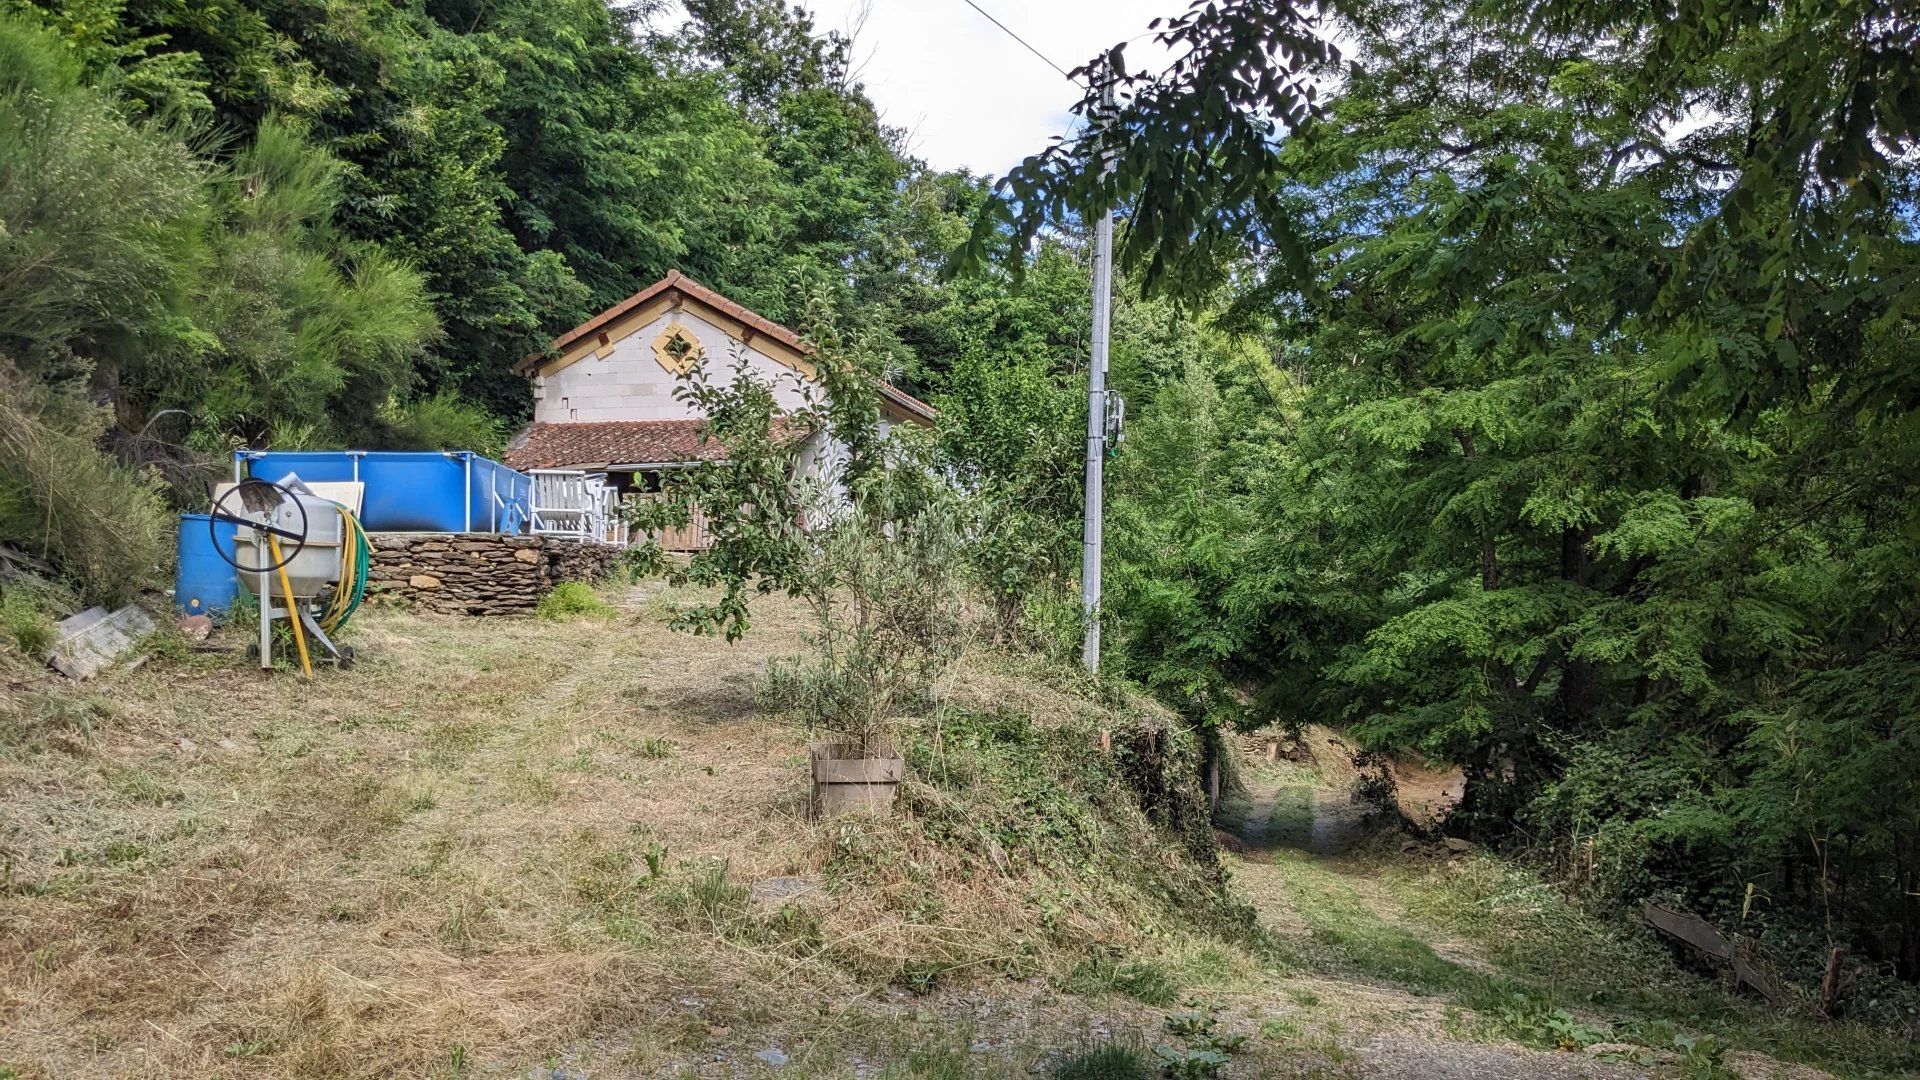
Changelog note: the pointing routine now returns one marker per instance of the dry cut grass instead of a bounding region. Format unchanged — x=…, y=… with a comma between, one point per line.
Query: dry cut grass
x=488, y=844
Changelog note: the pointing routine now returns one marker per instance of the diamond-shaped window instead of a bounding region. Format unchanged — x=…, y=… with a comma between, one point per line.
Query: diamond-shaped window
x=677, y=349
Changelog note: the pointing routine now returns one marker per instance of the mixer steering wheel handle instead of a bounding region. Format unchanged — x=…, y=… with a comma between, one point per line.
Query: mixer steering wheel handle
x=287, y=554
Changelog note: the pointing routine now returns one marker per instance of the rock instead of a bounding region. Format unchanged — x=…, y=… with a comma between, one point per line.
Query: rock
x=1639, y=1055
x=772, y=1055
x=188, y=746
x=778, y=890
x=424, y=581
x=1458, y=846
x=196, y=627
x=526, y=555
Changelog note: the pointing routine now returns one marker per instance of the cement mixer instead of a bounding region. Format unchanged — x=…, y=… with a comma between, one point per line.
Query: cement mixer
x=294, y=545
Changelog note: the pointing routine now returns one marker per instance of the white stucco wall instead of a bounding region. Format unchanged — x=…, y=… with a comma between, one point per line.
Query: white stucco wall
x=629, y=383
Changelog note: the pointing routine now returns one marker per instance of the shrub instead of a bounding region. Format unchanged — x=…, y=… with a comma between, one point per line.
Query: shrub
x=571, y=599
x=25, y=622
x=217, y=284
x=443, y=421
x=105, y=527
x=886, y=608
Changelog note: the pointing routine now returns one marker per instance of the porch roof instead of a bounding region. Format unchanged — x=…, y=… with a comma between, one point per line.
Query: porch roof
x=600, y=444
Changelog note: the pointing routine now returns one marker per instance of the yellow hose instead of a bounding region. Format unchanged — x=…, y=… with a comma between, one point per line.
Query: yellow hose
x=343, y=596
x=293, y=614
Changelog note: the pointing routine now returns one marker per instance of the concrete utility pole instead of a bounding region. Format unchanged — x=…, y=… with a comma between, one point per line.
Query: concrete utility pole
x=1096, y=434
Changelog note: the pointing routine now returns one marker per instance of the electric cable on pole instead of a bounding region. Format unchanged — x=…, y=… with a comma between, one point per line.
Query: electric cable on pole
x=1098, y=404
x=1091, y=535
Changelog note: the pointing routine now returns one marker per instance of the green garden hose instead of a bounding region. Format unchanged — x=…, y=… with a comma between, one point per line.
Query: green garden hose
x=355, y=563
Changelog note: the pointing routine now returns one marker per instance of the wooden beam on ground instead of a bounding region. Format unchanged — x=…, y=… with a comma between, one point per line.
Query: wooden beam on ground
x=1696, y=932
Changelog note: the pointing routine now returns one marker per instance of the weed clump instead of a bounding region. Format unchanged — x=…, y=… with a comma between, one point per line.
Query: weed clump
x=25, y=624
x=572, y=599
x=708, y=899
x=1203, y=1049
x=1141, y=980
x=1108, y=1061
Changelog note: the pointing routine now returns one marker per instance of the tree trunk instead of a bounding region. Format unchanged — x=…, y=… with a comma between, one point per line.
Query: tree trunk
x=1579, y=684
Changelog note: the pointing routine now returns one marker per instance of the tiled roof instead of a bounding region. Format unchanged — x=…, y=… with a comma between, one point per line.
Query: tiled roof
x=688, y=287
x=610, y=442
x=596, y=444
x=905, y=400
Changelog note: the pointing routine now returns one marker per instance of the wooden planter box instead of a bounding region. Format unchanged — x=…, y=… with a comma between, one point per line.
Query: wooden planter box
x=847, y=781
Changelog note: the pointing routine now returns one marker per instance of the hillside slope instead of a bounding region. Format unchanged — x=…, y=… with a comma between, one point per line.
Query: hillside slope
x=582, y=848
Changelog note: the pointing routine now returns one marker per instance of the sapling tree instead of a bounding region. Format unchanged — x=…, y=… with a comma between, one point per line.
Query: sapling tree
x=817, y=502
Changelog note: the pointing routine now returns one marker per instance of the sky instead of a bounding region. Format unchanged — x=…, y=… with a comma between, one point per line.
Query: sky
x=968, y=95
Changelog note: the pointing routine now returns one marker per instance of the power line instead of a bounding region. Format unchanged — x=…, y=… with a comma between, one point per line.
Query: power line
x=1023, y=41
x=1093, y=528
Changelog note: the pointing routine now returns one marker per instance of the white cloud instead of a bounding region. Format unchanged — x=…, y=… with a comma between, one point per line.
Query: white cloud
x=968, y=95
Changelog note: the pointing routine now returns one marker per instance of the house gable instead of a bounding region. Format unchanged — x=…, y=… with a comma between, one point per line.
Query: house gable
x=628, y=369
x=624, y=364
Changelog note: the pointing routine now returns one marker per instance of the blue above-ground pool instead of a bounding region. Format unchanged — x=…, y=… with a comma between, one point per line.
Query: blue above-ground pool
x=410, y=491
x=205, y=584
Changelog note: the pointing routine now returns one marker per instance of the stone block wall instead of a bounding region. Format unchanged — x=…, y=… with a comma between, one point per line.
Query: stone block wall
x=478, y=573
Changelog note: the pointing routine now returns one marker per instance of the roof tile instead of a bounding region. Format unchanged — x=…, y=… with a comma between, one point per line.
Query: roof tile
x=612, y=442
x=588, y=444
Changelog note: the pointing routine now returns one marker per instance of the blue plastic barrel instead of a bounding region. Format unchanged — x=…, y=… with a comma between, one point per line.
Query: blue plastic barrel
x=206, y=583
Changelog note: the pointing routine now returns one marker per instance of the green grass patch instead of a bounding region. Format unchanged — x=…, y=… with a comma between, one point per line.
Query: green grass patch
x=1107, y=1061
x=1140, y=980
x=708, y=899
x=140, y=786
x=1549, y=953
x=572, y=600
x=1291, y=822
x=25, y=623
x=1357, y=939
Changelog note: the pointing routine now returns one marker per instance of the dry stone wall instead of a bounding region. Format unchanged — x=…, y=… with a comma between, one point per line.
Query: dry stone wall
x=478, y=573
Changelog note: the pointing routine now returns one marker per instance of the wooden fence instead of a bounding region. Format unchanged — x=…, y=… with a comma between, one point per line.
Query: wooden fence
x=694, y=536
